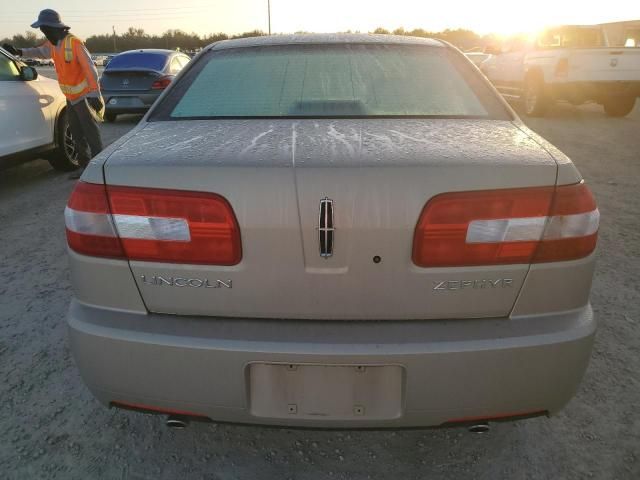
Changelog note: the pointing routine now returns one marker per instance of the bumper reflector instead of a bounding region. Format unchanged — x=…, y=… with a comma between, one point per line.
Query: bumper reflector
x=498, y=417
x=150, y=409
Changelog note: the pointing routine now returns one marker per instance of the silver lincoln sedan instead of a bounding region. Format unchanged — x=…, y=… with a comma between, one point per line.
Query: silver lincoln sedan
x=332, y=231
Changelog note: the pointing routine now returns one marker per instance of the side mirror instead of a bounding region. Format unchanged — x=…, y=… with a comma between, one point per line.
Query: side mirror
x=28, y=74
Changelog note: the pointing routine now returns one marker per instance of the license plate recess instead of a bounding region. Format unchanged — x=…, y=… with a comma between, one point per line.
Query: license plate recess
x=326, y=392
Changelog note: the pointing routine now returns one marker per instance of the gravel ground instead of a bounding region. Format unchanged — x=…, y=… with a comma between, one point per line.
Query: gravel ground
x=53, y=428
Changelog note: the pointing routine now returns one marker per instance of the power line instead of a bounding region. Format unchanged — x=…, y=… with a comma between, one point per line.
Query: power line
x=110, y=19
x=184, y=11
x=95, y=17
x=32, y=12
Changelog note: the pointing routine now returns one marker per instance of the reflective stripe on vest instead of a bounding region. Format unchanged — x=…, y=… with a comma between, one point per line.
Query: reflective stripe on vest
x=74, y=89
x=68, y=48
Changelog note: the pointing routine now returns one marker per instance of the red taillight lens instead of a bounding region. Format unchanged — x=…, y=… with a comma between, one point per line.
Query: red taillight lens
x=175, y=226
x=166, y=225
x=161, y=83
x=506, y=227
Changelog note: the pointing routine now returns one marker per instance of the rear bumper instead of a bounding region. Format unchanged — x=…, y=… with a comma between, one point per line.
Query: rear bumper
x=598, y=91
x=451, y=370
x=129, y=102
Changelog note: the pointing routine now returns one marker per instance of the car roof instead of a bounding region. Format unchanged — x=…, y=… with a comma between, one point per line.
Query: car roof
x=325, y=38
x=151, y=50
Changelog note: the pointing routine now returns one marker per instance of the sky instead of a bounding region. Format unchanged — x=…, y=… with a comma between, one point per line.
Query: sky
x=88, y=17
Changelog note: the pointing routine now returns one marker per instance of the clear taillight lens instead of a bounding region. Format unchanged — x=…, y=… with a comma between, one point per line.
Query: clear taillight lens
x=572, y=228
x=148, y=224
x=510, y=226
x=89, y=226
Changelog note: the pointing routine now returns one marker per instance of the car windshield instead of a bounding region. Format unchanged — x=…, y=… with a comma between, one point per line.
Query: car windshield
x=339, y=80
x=152, y=61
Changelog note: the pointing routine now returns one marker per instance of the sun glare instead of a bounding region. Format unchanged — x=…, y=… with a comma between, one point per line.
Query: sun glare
x=501, y=17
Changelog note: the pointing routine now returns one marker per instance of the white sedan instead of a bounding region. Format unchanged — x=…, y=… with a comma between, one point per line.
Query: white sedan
x=33, y=120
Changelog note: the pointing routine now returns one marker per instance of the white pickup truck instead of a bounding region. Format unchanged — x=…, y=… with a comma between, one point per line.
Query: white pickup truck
x=572, y=63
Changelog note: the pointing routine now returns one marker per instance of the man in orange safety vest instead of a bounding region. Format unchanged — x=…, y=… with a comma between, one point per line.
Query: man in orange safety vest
x=78, y=80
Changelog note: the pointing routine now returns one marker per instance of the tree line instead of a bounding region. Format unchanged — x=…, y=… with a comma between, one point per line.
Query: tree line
x=460, y=37
x=136, y=38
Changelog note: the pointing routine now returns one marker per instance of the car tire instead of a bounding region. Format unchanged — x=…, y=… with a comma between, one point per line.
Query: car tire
x=619, y=106
x=110, y=117
x=534, y=97
x=65, y=156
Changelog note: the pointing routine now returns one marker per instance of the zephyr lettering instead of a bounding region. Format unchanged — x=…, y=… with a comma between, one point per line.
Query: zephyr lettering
x=181, y=282
x=452, y=285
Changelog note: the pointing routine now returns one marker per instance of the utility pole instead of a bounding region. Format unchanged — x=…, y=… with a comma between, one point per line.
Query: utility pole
x=269, y=14
x=115, y=47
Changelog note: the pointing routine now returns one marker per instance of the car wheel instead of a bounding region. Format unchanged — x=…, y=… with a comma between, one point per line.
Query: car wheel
x=110, y=117
x=535, y=100
x=65, y=157
x=619, y=106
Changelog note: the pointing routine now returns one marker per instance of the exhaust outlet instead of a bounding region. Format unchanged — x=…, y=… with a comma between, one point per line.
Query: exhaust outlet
x=479, y=428
x=176, y=422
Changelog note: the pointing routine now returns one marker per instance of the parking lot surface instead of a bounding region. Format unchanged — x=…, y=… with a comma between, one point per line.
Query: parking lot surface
x=53, y=428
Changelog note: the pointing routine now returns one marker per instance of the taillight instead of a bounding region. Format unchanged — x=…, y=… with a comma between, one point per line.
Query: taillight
x=149, y=224
x=512, y=226
x=90, y=229
x=161, y=83
x=572, y=227
x=562, y=67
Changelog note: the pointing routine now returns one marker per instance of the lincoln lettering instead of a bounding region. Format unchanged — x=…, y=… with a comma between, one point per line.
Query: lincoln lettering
x=181, y=282
x=473, y=284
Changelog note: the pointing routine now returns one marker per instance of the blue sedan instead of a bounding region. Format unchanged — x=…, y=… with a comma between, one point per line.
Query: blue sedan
x=133, y=80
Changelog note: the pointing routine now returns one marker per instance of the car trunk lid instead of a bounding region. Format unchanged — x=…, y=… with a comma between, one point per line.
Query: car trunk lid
x=379, y=174
x=128, y=80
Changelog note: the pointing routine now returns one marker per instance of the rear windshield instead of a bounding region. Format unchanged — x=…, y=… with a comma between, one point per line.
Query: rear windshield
x=571, y=38
x=152, y=61
x=354, y=80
